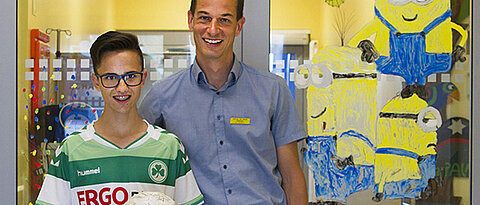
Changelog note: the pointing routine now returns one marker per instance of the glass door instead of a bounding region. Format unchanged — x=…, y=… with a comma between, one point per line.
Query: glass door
x=55, y=94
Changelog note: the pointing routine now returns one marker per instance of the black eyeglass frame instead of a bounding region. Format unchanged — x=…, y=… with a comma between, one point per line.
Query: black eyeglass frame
x=120, y=77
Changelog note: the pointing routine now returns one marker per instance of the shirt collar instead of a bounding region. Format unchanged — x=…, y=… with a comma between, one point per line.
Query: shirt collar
x=233, y=77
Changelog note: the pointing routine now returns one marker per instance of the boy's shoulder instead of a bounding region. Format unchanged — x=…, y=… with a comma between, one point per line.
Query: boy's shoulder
x=169, y=141
x=75, y=139
x=162, y=135
x=76, y=136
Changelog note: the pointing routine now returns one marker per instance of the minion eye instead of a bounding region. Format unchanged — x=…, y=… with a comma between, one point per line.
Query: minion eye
x=322, y=76
x=429, y=119
x=302, y=76
x=400, y=2
x=422, y=2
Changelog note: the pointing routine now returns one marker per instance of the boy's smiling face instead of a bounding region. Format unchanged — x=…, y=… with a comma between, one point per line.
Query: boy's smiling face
x=123, y=98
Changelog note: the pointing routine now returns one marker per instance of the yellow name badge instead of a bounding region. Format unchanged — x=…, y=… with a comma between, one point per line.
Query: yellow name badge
x=239, y=121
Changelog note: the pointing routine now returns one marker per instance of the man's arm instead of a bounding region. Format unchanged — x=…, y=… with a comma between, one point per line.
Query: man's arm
x=293, y=181
x=152, y=105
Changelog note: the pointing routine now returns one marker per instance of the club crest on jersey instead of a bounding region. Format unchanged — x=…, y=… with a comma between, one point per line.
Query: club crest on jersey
x=157, y=170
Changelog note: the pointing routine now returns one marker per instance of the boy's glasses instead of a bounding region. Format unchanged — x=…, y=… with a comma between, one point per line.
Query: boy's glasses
x=131, y=79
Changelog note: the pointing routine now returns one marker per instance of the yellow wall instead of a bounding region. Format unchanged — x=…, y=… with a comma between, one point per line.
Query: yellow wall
x=307, y=15
x=88, y=18
x=78, y=16
x=82, y=18
x=319, y=17
x=151, y=14
x=96, y=16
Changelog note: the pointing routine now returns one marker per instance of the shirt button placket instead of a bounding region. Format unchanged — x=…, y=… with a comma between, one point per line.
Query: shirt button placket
x=220, y=136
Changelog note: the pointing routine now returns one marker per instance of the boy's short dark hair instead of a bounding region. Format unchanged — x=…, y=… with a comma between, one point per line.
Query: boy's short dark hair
x=193, y=5
x=113, y=41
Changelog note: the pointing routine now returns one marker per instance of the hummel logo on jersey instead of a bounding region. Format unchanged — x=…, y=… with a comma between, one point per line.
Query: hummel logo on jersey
x=157, y=170
x=88, y=172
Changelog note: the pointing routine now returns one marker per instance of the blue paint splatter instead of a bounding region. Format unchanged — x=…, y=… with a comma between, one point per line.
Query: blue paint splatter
x=36, y=119
x=56, y=119
x=331, y=183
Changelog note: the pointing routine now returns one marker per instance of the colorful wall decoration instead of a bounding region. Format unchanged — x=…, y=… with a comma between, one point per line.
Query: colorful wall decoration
x=377, y=108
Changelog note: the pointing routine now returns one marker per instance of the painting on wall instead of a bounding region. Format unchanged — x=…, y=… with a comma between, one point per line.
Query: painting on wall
x=382, y=111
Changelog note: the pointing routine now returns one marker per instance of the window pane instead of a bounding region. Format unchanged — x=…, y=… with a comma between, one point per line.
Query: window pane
x=355, y=153
x=56, y=96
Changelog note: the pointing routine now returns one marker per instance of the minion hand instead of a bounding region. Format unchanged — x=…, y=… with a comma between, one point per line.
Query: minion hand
x=420, y=159
x=369, y=53
x=457, y=54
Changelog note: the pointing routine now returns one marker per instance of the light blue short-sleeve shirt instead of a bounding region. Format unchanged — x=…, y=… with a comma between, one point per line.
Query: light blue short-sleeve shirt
x=230, y=134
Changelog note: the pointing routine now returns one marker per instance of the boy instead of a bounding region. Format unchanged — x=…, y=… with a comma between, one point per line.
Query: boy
x=119, y=155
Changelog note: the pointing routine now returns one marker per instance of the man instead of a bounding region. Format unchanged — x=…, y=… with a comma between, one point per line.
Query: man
x=111, y=159
x=238, y=124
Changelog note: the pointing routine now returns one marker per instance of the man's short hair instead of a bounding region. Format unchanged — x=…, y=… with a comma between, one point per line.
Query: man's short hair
x=113, y=41
x=193, y=5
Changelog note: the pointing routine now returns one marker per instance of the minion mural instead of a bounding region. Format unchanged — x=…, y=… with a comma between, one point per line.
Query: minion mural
x=405, y=147
x=413, y=40
x=353, y=147
x=341, y=92
x=361, y=139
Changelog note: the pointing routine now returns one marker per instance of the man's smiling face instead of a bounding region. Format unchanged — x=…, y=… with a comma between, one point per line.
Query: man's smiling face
x=215, y=26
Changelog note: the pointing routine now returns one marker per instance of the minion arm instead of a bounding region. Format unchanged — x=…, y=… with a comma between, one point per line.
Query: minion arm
x=462, y=33
x=366, y=32
x=459, y=50
x=369, y=53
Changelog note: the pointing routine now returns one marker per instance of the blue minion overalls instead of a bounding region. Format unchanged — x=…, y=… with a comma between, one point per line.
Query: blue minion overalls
x=408, y=57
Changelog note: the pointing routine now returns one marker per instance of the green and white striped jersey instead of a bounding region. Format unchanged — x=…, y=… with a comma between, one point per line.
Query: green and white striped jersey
x=87, y=169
